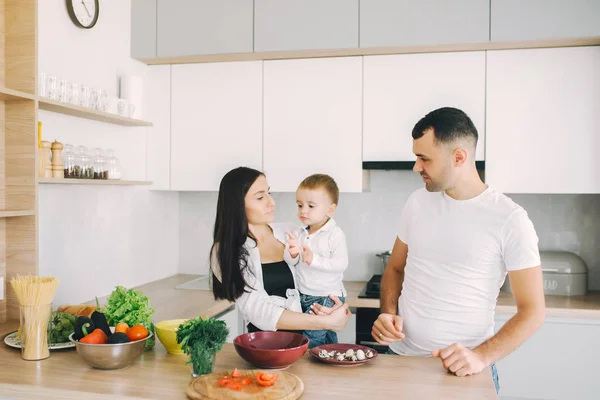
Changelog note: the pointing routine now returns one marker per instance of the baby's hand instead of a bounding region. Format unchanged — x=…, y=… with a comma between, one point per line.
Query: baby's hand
x=307, y=254
x=293, y=245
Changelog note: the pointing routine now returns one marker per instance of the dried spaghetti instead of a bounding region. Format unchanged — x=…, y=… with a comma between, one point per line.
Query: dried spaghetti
x=35, y=295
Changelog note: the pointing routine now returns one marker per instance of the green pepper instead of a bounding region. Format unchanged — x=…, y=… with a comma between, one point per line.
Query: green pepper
x=83, y=326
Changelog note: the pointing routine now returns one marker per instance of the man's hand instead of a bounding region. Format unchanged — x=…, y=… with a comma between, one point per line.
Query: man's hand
x=387, y=329
x=294, y=249
x=460, y=360
x=307, y=255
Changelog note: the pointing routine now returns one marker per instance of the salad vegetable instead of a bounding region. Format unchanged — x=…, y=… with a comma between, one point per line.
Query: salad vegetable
x=61, y=327
x=201, y=339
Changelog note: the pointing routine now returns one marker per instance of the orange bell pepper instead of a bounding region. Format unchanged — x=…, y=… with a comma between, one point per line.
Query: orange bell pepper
x=96, y=337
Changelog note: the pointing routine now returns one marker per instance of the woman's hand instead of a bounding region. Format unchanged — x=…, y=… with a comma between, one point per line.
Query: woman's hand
x=318, y=309
x=337, y=320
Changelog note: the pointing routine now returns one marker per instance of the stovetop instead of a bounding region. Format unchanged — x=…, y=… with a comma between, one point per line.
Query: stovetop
x=372, y=288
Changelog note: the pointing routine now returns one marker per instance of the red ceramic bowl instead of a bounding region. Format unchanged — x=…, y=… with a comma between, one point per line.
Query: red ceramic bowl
x=271, y=350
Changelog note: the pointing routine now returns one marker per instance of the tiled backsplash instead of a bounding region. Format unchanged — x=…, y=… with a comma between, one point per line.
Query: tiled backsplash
x=370, y=221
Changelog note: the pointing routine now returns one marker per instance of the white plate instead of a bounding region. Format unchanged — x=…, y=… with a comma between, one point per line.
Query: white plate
x=12, y=340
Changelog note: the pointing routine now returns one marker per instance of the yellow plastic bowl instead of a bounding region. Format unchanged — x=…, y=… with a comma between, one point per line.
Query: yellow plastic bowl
x=166, y=331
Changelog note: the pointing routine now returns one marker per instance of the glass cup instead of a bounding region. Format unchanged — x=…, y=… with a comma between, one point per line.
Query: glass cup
x=121, y=106
x=75, y=93
x=130, y=110
x=85, y=96
x=35, y=331
x=52, y=88
x=63, y=91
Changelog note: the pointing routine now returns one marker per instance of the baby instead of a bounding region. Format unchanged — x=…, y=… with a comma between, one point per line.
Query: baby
x=318, y=250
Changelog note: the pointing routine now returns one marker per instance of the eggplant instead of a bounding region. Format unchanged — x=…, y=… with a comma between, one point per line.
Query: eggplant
x=99, y=320
x=118, y=337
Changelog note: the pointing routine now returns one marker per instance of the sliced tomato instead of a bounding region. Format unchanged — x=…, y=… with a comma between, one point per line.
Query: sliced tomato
x=246, y=380
x=234, y=386
x=223, y=381
x=266, y=379
x=235, y=373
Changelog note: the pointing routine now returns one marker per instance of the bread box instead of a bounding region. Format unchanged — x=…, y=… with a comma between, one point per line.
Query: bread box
x=565, y=274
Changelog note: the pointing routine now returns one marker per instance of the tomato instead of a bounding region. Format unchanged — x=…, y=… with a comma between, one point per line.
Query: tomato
x=234, y=386
x=121, y=327
x=246, y=380
x=266, y=379
x=137, y=332
x=223, y=381
x=235, y=373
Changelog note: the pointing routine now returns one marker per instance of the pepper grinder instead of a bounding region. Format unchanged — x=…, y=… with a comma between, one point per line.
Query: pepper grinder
x=44, y=162
x=58, y=166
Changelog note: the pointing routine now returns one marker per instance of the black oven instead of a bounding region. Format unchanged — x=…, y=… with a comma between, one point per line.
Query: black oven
x=366, y=317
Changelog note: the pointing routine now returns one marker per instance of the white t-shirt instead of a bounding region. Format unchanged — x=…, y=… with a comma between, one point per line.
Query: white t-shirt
x=459, y=252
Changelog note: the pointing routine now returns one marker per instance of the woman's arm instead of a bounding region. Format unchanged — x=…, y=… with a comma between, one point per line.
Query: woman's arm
x=336, y=321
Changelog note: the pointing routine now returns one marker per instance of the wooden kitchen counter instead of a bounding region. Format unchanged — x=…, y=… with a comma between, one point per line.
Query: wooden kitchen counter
x=587, y=306
x=159, y=375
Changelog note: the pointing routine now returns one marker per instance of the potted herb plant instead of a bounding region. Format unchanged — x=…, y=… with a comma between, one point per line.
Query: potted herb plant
x=201, y=339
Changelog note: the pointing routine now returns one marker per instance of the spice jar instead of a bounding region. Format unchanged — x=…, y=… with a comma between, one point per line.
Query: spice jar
x=69, y=161
x=100, y=171
x=87, y=163
x=113, y=166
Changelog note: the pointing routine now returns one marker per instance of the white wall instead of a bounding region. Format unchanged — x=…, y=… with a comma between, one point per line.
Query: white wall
x=94, y=238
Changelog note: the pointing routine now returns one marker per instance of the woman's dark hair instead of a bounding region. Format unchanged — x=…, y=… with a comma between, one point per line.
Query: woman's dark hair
x=231, y=232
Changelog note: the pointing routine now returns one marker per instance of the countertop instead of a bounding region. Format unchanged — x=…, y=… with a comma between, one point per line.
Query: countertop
x=159, y=375
x=587, y=306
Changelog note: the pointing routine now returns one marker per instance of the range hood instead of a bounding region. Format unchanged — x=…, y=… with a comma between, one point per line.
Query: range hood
x=402, y=165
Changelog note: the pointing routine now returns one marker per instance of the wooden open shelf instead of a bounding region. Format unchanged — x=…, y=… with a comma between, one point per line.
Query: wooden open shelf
x=14, y=95
x=374, y=51
x=18, y=146
x=88, y=113
x=61, y=181
x=15, y=213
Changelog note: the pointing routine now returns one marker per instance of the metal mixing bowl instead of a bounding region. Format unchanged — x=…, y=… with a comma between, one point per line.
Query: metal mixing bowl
x=111, y=356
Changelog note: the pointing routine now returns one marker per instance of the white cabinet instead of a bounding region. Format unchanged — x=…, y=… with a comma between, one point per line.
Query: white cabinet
x=158, y=110
x=234, y=323
x=558, y=362
x=312, y=121
x=401, y=89
x=543, y=120
x=216, y=122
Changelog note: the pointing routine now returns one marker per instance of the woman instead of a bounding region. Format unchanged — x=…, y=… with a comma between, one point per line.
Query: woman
x=247, y=258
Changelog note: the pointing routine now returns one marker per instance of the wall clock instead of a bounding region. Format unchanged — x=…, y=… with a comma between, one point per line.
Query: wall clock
x=84, y=13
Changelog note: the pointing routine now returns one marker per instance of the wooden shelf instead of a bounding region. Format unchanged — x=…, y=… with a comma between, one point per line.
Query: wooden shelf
x=374, y=51
x=11, y=95
x=16, y=213
x=91, y=182
x=88, y=113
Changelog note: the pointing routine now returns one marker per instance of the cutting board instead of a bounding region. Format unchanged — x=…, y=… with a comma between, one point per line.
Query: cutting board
x=287, y=387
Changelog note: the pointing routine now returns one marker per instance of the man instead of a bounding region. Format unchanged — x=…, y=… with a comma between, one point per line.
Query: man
x=457, y=240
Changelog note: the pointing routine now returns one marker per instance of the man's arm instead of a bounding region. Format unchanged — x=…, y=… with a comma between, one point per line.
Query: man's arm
x=528, y=292
x=388, y=326
x=392, y=279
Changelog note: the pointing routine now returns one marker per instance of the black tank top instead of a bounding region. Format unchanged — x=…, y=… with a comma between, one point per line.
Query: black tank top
x=277, y=279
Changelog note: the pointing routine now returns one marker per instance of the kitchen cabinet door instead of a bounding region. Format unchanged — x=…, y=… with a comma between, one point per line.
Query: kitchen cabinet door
x=401, y=89
x=187, y=27
x=305, y=24
x=143, y=28
x=557, y=362
x=158, y=110
x=544, y=19
x=543, y=120
x=312, y=121
x=425, y=22
x=216, y=122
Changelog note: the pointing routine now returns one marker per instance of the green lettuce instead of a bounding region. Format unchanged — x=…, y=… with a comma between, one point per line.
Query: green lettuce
x=132, y=307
